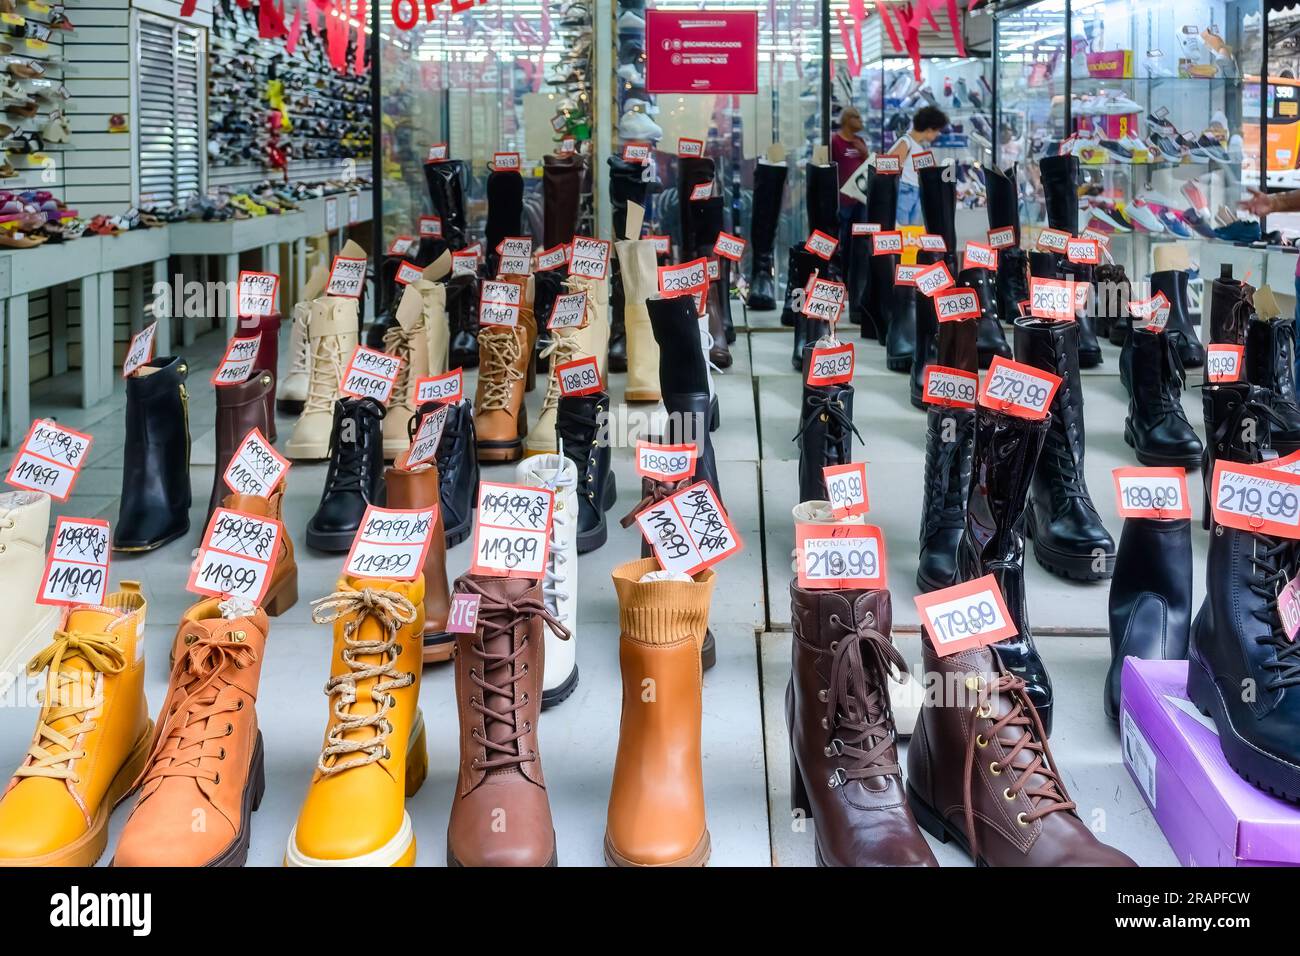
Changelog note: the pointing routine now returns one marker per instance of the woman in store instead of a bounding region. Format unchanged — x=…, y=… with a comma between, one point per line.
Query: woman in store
x=927, y=124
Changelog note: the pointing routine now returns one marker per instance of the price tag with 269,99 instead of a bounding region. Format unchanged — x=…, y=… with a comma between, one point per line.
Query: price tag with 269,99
x=256, y=467
x=391, y=543
x=689, y=531
x=1019, y=390
x=76, y=570
x=665, y=463
x=1256, y=498
x=370, y=374
x=831, y=364
x=840, y=556
x=237, y=556
x=1152, y=493
x=1052, y=299
x=964, y=616
x=50, y=459
x=513, y=530
x=846, y=488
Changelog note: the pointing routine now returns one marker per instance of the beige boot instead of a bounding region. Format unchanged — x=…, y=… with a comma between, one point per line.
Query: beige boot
x=408, y=340
x=568, y=345
x=636, y=260
x=332, y=338
x=437, y=331
x=291, y=392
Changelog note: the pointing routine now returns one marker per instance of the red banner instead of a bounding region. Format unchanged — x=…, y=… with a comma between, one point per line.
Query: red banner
x=701, y=51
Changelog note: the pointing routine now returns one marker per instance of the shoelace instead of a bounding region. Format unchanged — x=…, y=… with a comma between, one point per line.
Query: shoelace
x=572, y=431
x=561, y=349
x=1173, y=376
x=201, y=670
x=949, y=493
x=499, y=675
x=390, y=610
x=1029, y=738
x=53, y=752
x=858, y=714
x=1232, y=423
x=349, y=459
x=398, y=342
x=654, y=492
x=497, y=371
x=822, y=407
x=327, y=365
x=1270, y=566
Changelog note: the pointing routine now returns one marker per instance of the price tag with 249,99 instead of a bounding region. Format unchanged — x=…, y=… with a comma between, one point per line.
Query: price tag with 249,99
x=1152, y=493
x=846, y=488
x=964, y=616
x=1256, y=498
x=237, y=556
x=840, y=556
x=513, y=531
x=689, y=531
x=1019, y=390
x=950, y=387
x=391, y=543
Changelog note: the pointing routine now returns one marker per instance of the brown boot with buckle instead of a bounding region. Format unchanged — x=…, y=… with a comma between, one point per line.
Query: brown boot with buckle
x=844, y=767
x=979, y=771
x=500, y=814
x=500, y=420
x=412, y=490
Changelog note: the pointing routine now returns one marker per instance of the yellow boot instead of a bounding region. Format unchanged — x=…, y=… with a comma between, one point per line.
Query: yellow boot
x=374, y=754
x=92, y=739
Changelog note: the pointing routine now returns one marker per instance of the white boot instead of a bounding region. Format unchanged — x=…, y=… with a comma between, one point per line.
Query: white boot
x=24, y=520
x=636, y=260
x=409, y=341
x=291, y=391
x=560, y=586
x=332, y=338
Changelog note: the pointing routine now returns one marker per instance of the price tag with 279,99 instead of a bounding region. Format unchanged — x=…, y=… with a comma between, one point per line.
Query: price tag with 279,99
x=1152, y=493
x=964, y=616
x=846, y=488
x=1019, y=390
x=513, y=530
x=76, y=571
x=237, y=556
x=836, y=556
x=1256, y=498
x=392, y=543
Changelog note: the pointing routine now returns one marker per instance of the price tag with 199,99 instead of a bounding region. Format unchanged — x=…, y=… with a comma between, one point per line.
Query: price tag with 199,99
x=838, y=556
x=370, y=374
x=665, y=463
x=237, y=364
x=256, y=468
x=689, y=531
x=428, y=435
x=569, y=311
x=846, y=488
x=1019, y=390
x=257, y=293
x=347, y=277
x=950, y=387
x=579, y=377
x=831, y=364
x=500, y=301
x=590, y=258
x=513, y=531
x=391, y=543
x=237, y=556
x=1159, y=493
x=1256, y=498
x=50, y=459
x=964, y=616
x=140, y=351
x=76, y=570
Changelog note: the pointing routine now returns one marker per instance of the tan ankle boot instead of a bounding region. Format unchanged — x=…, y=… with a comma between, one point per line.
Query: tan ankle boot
x=500, y=420
x=332, y=338
x=569, y=345
x=291, y=391
x=282, y=592
x=656, y=803
x=639, y=267
x=409, y=341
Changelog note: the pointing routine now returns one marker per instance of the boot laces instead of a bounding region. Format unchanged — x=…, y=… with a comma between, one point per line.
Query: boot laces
x=350, y=462
x=390, y=611
x=302, y=349
x=397, y=342
x=557, y=560
x=500, y=673
x=946, y=490
x=1270, y=560
x=654, y=492
x=858, y=718
x=825, y=407
x=68, y=698
x=328, y=364
x=500, y=354
x=563, y=348
x=1018, y=732
x=578, y=432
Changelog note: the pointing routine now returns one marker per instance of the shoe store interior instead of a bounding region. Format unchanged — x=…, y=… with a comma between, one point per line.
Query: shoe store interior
x=650, y=433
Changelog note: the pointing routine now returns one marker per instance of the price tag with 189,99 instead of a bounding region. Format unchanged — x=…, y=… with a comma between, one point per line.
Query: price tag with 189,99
x=49, y=459
x=256, y=468
x=846, y=488
x=1152, y=493
x=964, y=616
x=579, y=377
x=838, y=556
x=513, y=531
x=665, y=463
x=237, y=556
x=391, y=543
x=76, y=570
x=1019, y=390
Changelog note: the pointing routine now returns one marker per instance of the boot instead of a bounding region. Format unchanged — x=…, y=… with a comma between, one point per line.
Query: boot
x=1060, y=178
x=155, y=504
x=901, y=334
x=1157, y=428
x=560, y=584
x=1270, y=364
x=707, y=223
x=291, y=395
x=691, y=172
x=581, y=425
x=824, y=211
x=499, y=674
x=1238, y=423
x=825, y=432
x=268, y=361
x=569, y=345
x=1173, y=284
x=446, y=182
x=1150, y=601
x=617, y=320
x=1231, y=306
x=92, y=736
x=355, y=478
x=547, y=287
x=561, y=192
x=282, y=592
x=939, y=207
x=769, y=197
x=1069, y=538
x=419, y=338
x=505, y=212
x=684, y=380
x=374, y=755
x=1003, y=205
x=331, y=342
x=462, y=321
x=411, y=491
x=457, y=461
x=843, y=744
x=980, y=773
x=706, y=346
x=857, y=260
x=636, y=259
x=206, y=761
x=24, y=521
x=500, y=419
x=927, y=331
x=1089, y=348
x=1115, y=292
x=947, y=465
x=240, y=409
x=1006, y=451
x=990, y=340
x=882, y=207
x=656, y=801
x=627, y=184
x=798, y=271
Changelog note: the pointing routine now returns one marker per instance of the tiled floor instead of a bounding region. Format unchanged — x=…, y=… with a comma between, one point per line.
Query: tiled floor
x=746, y=756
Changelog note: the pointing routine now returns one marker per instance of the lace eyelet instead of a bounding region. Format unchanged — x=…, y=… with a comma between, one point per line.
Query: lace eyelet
x=1008, y=794
x=1020, y=818
x=388, y=754
x=222, y=754
x=230, y=729
x=217, y=781
x=528, y=726
x=240, y=704
x=821, y=696
x=984, y=712
x=980, y=741
x=834, y=646
x=837, y=779
x=869, y=618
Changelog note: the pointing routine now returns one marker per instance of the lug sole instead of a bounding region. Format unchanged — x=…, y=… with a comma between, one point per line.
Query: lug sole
x=929, y=820
x=642, y=395
x=1090, y=359
x=697, y=857
x=898, y=363
x=1072, y=566
x=439, y=646
x=501, y=450
x=558, y=695
x=152, y=545
x=254, y=790
x=1188, y=462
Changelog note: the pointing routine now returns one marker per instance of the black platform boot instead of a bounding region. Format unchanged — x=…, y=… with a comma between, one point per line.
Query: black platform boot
x=769, y=196
x=356, y=474
x=547, y=287
x=155, y=504
x=457, y=459
x=857, y=260
x=901, y=334
x=1238, y=425
x=882, y=208
x=1270, y=364
x=1231, y=304
x=582, y=426
x=505, y=212
x=1114, y=292
x=708, y=224
x=990, y=340
x=824, y=212
x=1157, y=428
x=826, y=431
x=684, y=380
x=691, y=172
x=446, y=182
x=1004, y=212
x=927, y=331
x=617, y=322
x=1173, y=283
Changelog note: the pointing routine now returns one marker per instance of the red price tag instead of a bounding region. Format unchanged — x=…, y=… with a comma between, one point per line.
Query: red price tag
x=506, y=162
x=236, y=365
x=665, y=463
x=237, y=556
x=257, y=293
x=831, y=365
x=964, y=616
x=701, y=192
x=923, y=160
x=256, y=468
x=1002, y=237
x=1154, y=310
x=1151, y=493
x=513, y=532
x=687, y=278
x=440, y=388
x=714, y=272
x=1256, y=498
x=437, y=153
x=1288, y=607
x=76, y=568
x=932, y=243
x=464, y=264
x=428, y=434
x=402, y=245
x=689, y=531
x=865, y=228
x=690, y=148
x=391, y=543
x=663, y=245
x=979, y=256
x=552, y=258
x=500, y=301
x=638, y=153
x=370, y=374
x=934, y=279
x=1052, y=299
x=1019, y=390
x=827, y=292
x=1100, y=238
x=905, y=275
x=407, y=273
x=846, y=489
x=1223, y=362
x=516, y=247
x=579, y=377
x=729, y=247
x=514, y=266
x=957, y=304
x=590, y=258
x=1083, y=251
x=430, y=227
x=569, y=312
x=50, y=459
x=950, y=387
x=140, y=351
x=887, y=243
x=347, y=277
x=820, y=244
x=1054, y=240
x=840, y=556
x=889, y=165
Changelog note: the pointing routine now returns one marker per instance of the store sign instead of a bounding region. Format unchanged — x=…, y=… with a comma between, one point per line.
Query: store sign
x=406, y=13
x=840, y=556
x=701, y=51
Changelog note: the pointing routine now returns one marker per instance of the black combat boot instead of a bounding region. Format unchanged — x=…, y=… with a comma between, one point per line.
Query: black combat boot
x=356, y=474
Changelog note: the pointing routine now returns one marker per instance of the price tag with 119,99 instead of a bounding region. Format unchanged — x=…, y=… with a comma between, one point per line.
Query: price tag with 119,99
x=1019, y=390
x=569, y=311
x=590, y=258
x=76, y=570
x=347, y=277
x=1159, y=493
x=831, y=364
x=370, y=374
x=391, y=543
x=237, y=556
x=846, y=488
x=964, y=616
x=665, y=463
x=237, y=364
x=689, y=531
x=837, y=556
x=257, y=293
x=49, y=459
x=256, y=467
x=428, y=435
x=513, y=530
x=1256, y=498
x=446, y=388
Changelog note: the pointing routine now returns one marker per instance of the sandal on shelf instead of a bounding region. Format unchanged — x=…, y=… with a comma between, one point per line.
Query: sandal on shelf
x=19, y=240
x=26, y=110
x=57, y=130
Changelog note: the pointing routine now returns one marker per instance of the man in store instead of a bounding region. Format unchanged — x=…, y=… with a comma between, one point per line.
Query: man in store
x=927, y=124
x=849, y=151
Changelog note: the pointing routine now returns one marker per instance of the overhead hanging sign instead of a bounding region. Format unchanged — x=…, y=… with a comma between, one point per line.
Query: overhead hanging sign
x=701, y=51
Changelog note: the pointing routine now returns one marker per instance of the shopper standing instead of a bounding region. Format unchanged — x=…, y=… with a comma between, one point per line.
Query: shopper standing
x=849, y=151
x=1261, y=204
x=927, y=124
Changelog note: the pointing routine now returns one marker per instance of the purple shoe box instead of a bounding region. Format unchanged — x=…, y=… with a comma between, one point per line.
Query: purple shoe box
x=1209, y=815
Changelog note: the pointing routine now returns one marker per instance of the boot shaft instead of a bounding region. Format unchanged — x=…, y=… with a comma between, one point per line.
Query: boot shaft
x=505, y=195
x=1231, y=306
x=957, y=344
x=1270, y=356
x=769, y=196
x=949, y=458
x=822, y=618
x=446, y=183
x=823, y=198
x=626, y=185
x=939, y=204
x=1006, y=455
x=356, y=449
x=1003, y=200
x=882, y=201
x=1153, y=565
x=561, y=194
x=682, y=368
x=1060, y=176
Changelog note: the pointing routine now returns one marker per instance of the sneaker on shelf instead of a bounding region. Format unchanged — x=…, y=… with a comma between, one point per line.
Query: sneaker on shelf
x=630, y=73
x=1172, y=220
x=1100, y=220
x=1143, y=216
x=630, y=22
x=1193, y=193
x=635, y=125
x=1209, y=149
x=643, y=106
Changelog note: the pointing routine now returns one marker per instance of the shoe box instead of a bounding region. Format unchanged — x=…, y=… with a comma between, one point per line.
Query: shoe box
x=1209, y=815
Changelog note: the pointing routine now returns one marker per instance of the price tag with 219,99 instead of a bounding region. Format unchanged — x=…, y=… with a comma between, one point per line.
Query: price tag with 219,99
x=838, y=556
x=1256, y=498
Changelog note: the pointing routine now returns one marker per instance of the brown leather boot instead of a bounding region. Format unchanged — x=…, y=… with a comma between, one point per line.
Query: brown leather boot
x=843, y=756
x=240, y=409
x=419, y=489
x=500, y=814
x=500, y=420
x=205, y=766
x=282, y=593
x=979, y=771
x=656, y=804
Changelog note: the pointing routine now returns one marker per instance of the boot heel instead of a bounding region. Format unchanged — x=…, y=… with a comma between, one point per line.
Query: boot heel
x=417, y=760
x=926, y=818
x=799, y=802
x=258, y=777
x=284, y=598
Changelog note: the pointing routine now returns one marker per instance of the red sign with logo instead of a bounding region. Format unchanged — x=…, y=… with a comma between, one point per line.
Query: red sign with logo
x=701, y=51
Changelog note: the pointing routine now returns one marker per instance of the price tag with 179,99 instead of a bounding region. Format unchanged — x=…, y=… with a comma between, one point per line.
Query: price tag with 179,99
x=347, y=277
x=446, y=389
x=665, y=463
x=1051, y=299
x=257, y=293
x=579, y=377
x=76, y=570
x=569, y=311
x=370, y=374
x=689, y=531
x=840, y=556
x=140, y=351
x=1019, y=390
x=391, y=543
x=237, y=364
x=1159, y=493
x=964, y=616
x=1223, y=362
x=49, y=459
x=846, y=489
x=590, y=258
x=256, y=467
x=513, y=530
x=831, y=365
x=950, y=387
x=237, y=556
x=1256, y=498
